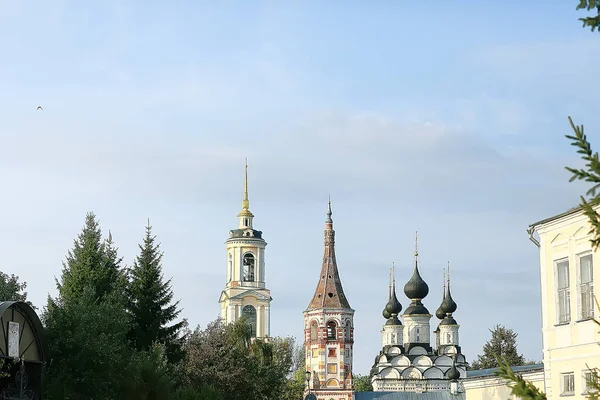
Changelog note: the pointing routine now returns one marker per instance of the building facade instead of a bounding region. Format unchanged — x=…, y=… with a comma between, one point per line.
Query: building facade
x=408, y=362
x=329, y=330
x=245, y=292
x=568, y=266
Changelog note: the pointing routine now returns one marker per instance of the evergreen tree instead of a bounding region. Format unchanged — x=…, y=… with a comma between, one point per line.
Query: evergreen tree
x=91, y=262
x=150, y=302
x=592, y=22
x=502, y=344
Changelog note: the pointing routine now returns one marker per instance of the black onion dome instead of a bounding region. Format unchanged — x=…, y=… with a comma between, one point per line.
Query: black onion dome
x=439, y=313
x=385, y=313
x=448, y=304
x=416, y=308
x=416, y=288
x=393, y=306
x=453, y=373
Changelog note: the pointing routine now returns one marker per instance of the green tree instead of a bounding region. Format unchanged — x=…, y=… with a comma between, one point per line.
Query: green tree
x=362, y=383
x=88, y=346
x=296, y=382
x=150, y=302
x=87, y=323
x=11, y=289
x=92, y=261
x=504, y=344
x=225, y=358
x=592, y=22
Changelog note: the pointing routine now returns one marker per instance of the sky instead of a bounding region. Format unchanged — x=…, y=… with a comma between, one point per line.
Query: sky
x=446, y=117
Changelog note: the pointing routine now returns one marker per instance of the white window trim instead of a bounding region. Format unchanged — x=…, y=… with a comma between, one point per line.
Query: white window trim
x=563, y=392
x=580, y=315
x=567, y=290
x=585, y=382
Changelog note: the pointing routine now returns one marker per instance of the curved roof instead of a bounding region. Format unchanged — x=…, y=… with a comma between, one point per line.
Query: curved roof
x=34, y=321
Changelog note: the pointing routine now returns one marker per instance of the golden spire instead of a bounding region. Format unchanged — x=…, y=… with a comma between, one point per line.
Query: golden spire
x=246, y=203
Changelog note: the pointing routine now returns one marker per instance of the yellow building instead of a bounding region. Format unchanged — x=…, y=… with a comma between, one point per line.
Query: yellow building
x=569, y=333
x=245, y=292
x=484, y=384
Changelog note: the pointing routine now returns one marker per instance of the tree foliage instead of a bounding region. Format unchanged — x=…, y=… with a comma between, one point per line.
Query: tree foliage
x=593, y=21
x=504, y=344
x=362, y=383
x=591, y=174
x=150, y=302
x=11, y=289
x=225, y=358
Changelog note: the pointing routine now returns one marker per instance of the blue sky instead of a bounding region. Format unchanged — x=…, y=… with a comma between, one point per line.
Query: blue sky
x=445, y=117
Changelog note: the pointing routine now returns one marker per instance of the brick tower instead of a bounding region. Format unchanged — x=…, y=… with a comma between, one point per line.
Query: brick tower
x=329, y=330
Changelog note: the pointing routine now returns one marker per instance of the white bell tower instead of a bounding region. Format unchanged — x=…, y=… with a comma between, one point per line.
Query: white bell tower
x=245, y=292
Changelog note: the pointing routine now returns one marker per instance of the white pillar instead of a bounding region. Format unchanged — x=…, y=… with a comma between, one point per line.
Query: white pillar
x=268, y=321
x=259, y=321
x=230, y=314
x=237, y=312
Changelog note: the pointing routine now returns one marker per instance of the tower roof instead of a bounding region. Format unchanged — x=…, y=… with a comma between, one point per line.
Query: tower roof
x=448, y=305
x=393, y=306
x=329, y=293
x=440, y=313
x=416, y=288
x=246, y=202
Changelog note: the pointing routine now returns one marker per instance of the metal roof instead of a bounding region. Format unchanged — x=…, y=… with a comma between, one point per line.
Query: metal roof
x=441, y=395
x=478, y=373
x=573, y=210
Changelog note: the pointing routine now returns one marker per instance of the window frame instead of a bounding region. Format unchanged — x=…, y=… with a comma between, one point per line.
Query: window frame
x=332, y=330
x=566, y=317
x=563, y=383
x=588, y=286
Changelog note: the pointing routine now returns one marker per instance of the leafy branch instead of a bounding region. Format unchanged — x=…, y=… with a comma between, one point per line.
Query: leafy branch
x=591, y=22
x=591, y=174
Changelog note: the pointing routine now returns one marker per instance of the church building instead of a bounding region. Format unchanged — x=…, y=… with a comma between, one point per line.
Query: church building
x=245, y=292
x=329, y=331
x=407, y=361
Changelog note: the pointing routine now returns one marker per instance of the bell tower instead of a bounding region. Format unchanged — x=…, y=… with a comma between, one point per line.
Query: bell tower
x=329, y=330
x=245, y=292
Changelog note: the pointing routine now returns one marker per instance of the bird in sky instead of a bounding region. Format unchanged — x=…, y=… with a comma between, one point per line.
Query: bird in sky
x=40, y=108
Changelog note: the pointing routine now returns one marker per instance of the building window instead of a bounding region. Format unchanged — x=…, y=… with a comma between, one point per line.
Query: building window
x=567, y=384
x=315, y=353
x=417, y=336
x=249, y=313
x=449, y=337
x=590, y=381
x=347, y=352
x=332, y=352
x=249, y=263
x=331, y=330
x=586, y=286
x=348, y=328
x=314, y=330
x=563, y=294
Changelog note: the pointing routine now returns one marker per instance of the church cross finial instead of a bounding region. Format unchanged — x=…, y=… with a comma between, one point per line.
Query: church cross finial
x=329, y=210
x=448, y=276
x=416, y=244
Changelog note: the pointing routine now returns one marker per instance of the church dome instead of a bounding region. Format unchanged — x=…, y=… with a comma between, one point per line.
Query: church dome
x=448, y=304
x=393, y=306
x=416, y=288
x=385, y=313
x=439, y=313
x=453, y=373
x=393, y=321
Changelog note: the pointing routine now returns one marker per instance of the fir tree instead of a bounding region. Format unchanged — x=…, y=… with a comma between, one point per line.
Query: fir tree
x=92, y=261
x=150, y=302
x=502, y=344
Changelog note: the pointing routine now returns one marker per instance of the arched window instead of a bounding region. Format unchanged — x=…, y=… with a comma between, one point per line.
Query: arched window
x=331, y=330
x=249, y=263
x=348, y=327
x=314, y=331
x=249, y=312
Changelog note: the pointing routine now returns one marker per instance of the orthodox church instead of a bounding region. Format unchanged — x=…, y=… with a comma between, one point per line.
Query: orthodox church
x=407, y=361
